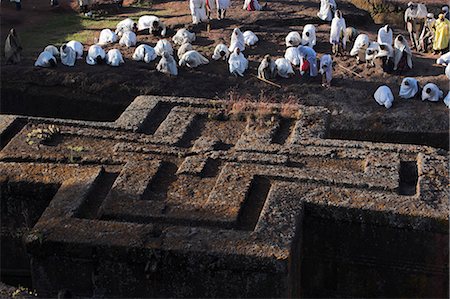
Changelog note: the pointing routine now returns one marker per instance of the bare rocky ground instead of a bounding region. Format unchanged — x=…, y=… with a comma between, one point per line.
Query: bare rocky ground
x=101, y=88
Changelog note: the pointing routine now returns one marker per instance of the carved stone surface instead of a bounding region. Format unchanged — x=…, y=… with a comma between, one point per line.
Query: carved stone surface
x=172, y=201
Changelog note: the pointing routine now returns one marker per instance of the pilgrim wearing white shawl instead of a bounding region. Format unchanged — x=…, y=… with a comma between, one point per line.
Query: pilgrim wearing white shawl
x=250, y=39
x=114, y=57
x=68, y=55
x=237, y=40
x=192, y=59
x=252, y=5
x=309, y=36
x=125, y=25
x=96, y=55
x=327, y=8
x=431, y=93
x=292, y=56
x=447, y=100
x=154, y=25
x=415, y=15
x=198, y=11
x=45, y=59
x=338, y=38
x=77, y=47
x=183, y=36
x=128, y=39
x=293, y=39
x=183, y=49
x=221, y=6
x=144, y=53
x=447, y=71
x=444, y=59
x=284, y=68
x=221, y=52
x=167, y=65
x=52, y=49
x=361, y=44
x=409, y=88
x=267, y=68
x=237, y=63
x=383, y=95
x=371, y=53
x=163, y=46
x=385, y=35
x=326, y=69
x=386, y=54
x=13, y=47
x=107, y=37
x=402, y=53
x=308, y=54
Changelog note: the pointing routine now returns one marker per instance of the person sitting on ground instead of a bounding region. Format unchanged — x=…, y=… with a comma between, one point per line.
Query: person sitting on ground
x=351, y=33
x=52, y=49
x=284, y=68
x=163, y=46
x=359, y=48
x=114, y=57
x=184, y=48
x=96, y=55
x=267, y=68
x=252, y=5
x=124, y=26
x=309, y=36
x=308, y=61
x=167, y=65
x=77, y=47
x=107, y=37
x=45, y=59
x=183, y=36
x=153, y=24
x=237, y=40
x=250, y=39
x=444, y=59
x=237, y=63
x=386, y=55
x=402, y=54
x=221, y=52
x=442, y=35
x=13, y=47
x=326, y=69
x=293, y=39
x=128, y=39
x=144, y=53
x=192, y=59
x=68, y=55
x=338, y=38
x=431, y=93
x=409, y=88
x=385, y=35
x=383, y=95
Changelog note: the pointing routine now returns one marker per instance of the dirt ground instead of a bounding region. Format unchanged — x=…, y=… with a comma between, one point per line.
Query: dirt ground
x=349, y=99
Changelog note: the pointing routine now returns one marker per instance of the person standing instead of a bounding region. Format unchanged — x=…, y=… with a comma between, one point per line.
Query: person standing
x=441, y=35
x=13, y=47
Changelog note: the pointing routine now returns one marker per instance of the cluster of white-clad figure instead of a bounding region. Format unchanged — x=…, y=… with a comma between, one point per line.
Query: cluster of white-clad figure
x=299, y=51
x=410, y=89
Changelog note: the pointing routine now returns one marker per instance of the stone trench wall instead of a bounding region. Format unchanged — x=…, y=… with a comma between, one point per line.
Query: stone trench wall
x=185, y=197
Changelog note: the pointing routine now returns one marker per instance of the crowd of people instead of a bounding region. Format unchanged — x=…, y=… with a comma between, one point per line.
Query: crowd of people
x=392, y=55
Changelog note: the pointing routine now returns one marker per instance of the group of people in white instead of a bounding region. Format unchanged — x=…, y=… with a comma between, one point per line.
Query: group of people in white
x=394, y=54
